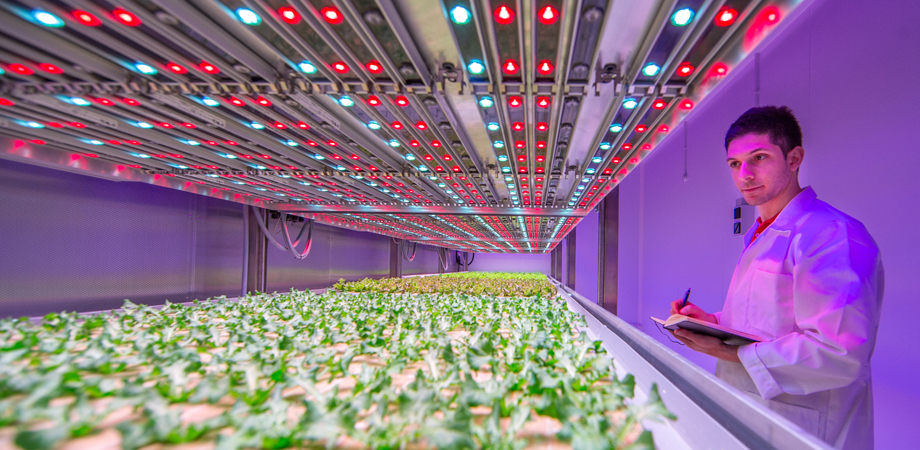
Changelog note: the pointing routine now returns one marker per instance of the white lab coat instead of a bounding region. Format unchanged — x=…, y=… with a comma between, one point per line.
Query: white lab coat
x=811, y=284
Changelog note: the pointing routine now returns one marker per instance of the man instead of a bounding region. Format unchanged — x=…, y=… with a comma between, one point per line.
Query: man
x=809, y=281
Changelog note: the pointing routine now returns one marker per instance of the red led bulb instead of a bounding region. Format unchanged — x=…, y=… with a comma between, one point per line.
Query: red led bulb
x=726, y=16
x=176, y=68
x=373, y=100
x=374, y=67
x=659, y=104
x=402, y=101
x=517, y=126
x=340, y=67
x=543, y=102
x=86, y=18
x=545, y=67
x=548, y=15
x=504, y=15
x=20, y=69
x=126, y=18
x=510, y=67
x=641, y=128
x=685, y=69
x=208, y=67
x=515, y=101
x=289, y=15
x=51, y=68
x=332, y=15
x=542, y=126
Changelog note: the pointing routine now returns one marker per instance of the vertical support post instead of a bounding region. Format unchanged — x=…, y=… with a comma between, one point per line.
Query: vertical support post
x=608, y=248
x=570, y=259
x=557, y=262
x=552, y=263
x=395, y=259
x=255, y=260
x=465, y=259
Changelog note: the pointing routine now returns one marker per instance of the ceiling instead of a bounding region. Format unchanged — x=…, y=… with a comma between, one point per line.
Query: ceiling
x=489, y=126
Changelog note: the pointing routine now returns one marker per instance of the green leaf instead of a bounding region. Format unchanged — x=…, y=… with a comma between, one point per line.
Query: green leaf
x=40, y=439
x=133, y=435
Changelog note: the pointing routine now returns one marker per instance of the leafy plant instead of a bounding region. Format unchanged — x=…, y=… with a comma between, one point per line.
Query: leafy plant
x=438, y=368
x=502, y=284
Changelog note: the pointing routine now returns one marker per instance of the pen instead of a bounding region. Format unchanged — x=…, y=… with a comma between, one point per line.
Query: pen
x=686, y=297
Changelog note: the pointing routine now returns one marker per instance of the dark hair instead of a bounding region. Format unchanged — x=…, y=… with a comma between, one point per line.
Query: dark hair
x=776, y=121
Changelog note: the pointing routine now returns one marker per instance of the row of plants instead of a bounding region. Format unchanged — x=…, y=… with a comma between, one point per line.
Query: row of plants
x=502, y=284
x=371, y=370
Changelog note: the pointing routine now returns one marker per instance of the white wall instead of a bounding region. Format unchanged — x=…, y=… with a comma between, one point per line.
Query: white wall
x=586, y=256
x=511, y=262
x=849, y=70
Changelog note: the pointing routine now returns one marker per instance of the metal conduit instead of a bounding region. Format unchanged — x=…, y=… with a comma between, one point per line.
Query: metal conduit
x=291, y=246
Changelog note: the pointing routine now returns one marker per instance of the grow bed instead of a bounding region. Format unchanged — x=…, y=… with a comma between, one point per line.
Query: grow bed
x=301, y=370
x=503, y=284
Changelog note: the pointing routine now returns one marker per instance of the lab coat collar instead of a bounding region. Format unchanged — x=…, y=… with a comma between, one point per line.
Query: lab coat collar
x=794, y=209
x=786, y=218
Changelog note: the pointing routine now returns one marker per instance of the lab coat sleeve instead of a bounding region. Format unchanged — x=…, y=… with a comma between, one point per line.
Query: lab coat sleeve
x=718, y=316
x=836, y=281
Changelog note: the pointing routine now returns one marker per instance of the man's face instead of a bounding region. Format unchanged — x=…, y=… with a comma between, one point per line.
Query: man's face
x=759, y=169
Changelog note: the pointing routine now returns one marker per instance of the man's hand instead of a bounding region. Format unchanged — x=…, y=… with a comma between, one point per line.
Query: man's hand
x=707, y=344
x=692, y=310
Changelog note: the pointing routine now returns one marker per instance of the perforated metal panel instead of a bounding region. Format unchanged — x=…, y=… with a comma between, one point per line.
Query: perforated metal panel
x=72, y=242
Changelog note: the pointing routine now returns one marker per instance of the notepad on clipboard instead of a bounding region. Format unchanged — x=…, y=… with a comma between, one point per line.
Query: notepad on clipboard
x=725, y=334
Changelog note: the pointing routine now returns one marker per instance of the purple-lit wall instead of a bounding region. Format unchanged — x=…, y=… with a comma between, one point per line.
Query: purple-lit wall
x=78, y=243
x=336, y=253
x=586, y=255
x=425, y=261
x=849, y=70
x=510, y=262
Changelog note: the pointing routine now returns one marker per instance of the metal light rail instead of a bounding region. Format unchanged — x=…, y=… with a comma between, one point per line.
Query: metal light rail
x=711, y=414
